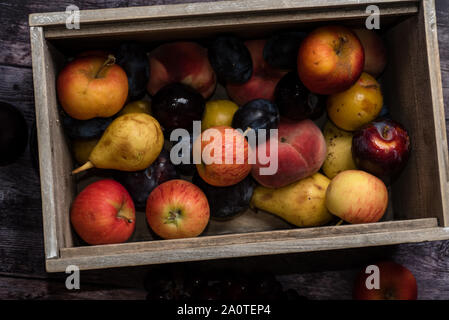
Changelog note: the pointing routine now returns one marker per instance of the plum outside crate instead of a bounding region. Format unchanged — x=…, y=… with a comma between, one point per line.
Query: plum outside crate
x=419, y=202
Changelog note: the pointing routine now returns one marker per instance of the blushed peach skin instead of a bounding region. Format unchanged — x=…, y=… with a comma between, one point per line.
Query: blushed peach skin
x=330, y=60
x=263, y=81
x=184, y=62
x=375, y=51
x=85, y=93
x=301, y=153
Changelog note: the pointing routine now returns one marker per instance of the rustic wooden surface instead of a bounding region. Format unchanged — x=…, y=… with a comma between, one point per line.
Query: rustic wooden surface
x=320, y=275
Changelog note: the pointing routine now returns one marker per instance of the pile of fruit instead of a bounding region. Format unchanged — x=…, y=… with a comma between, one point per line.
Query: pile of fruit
x=193, y=285
x=303, y=132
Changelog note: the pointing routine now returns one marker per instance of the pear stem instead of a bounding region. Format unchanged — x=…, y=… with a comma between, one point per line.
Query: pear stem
x=246, y=131
x=109, y=61
x=88, y=165
x=339, y=222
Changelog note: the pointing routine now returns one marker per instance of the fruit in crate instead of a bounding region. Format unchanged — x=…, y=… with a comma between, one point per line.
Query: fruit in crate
x=84, y=129
x=302, y=203
x=218, y=113
x=13, y=134
x=138, y=106
x=224, y=156
x=375, y=51
x=140, y=183
x=177, y=106
x=360, y=104
x=131, y=143
x=91, y=87
x=339, y=154
x=295, y=101
x=396, y=282
x=133, y=59
x=300, y=152
x=255, y=115
x=184, y=62
x=227, y=202
x=230, y=59
x=263, y=81
x=183, y=150
x=281, y=49
x=382, y=148
x=103, y=213
x=356, y=196
x=330, y=60
x=177, y=209
x=82, y=148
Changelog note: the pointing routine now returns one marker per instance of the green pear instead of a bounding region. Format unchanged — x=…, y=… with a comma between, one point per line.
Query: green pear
x=130, y=143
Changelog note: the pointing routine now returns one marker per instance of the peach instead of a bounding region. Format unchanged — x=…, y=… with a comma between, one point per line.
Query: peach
x=184, y=62
x=356, y=196
x=92, y=86
x=300, y=153
x=375, y=51
x=263, y=81
x=330, y=60
x=224, y=156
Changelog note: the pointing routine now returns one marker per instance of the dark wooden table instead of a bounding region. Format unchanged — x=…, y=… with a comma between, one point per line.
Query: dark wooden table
x=324, y=275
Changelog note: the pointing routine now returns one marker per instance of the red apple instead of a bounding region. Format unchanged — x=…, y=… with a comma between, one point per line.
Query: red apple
x=301, y=152
x=382, y=148
x=224, y=156
x=92, y=86
x=330, y=60
x=263, y=81
x=375, y=51
x=103, y=213
x=184, y=62
x=396, y=282
x=177, y=209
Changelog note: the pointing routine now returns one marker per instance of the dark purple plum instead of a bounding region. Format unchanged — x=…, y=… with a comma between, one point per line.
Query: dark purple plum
x=255, y=115
x=230, y=59
x=84, y=129
x=281, y=49
x=13, y=134
x=295, y=101
x=177, y=106
x=185, y=145
x=133, y=59
x=140, y=183
x=227, y=202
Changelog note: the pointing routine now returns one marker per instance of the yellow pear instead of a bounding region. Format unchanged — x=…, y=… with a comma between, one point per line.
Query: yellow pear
x=130, y=143
x=82, y=148
x=302, y=203
x=339, y=154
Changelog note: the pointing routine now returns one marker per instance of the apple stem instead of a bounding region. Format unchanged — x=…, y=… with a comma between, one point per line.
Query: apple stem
x=339, y=222
x=109, y=62
x=246, y=131
x=88, y=165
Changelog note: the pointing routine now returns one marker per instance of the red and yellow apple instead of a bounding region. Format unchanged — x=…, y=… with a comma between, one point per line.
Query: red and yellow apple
x=330, y=60
x=103, y=213
x=356, y=196
x=263, y=81
x=183, y=62
x=301, y=150
x=177, y=209
x=375, y=51
x=396, y=282
x=91, y=87
x=224, y=155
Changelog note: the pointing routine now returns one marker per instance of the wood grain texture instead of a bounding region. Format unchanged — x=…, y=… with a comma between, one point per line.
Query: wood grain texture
x=321, y=275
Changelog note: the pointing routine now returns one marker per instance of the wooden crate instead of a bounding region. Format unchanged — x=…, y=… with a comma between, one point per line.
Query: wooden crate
x=419, y=206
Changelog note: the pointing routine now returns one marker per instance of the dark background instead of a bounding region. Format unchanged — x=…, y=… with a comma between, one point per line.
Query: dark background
x=322, y=275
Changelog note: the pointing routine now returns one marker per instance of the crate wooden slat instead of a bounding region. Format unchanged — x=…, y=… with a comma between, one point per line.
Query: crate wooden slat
x=419, y=207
